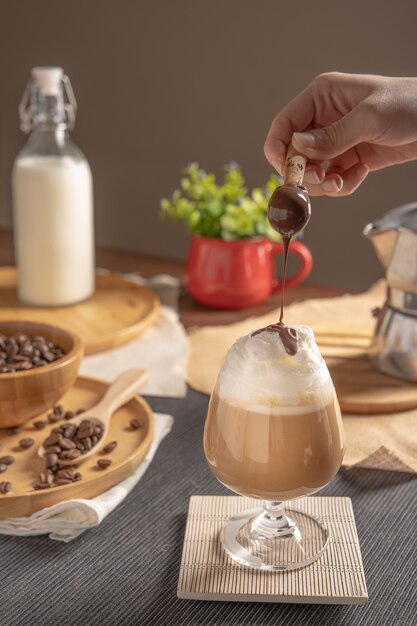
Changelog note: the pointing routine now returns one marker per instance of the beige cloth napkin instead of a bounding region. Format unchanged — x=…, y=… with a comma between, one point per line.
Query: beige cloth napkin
x=162, y=349
x=378, y=441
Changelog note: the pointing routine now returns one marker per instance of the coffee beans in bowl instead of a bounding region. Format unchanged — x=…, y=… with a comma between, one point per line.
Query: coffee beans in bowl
x=38, y=365
x=19, y=352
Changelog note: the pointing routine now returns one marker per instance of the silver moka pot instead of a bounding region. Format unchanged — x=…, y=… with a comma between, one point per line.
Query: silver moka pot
x=394, y=237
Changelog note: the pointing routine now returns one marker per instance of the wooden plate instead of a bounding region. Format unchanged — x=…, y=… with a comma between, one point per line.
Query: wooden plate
x=362, y=389
x=118, y=311
x=132, y=447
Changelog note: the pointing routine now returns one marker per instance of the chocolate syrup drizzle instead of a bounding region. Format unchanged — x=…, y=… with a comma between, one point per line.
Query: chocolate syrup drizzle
x=288, y=212
x=288, y=336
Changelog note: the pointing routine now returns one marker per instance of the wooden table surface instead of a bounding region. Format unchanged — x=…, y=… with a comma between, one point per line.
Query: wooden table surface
x=192, y=313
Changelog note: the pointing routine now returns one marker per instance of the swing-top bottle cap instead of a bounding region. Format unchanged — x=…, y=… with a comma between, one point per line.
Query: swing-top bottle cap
x=48, y=79
x=35, y=105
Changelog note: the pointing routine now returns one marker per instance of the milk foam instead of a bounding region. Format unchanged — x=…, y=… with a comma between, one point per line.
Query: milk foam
x=260, y=376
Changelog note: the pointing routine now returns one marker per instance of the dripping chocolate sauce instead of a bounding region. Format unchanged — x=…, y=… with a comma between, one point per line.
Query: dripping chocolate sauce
x=287, y=335
x=289, y=210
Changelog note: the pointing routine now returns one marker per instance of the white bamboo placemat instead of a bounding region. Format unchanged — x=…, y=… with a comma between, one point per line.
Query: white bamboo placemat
x=207, y=573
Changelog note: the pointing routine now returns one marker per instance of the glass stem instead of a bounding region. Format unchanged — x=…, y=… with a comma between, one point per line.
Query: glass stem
x=273, y=521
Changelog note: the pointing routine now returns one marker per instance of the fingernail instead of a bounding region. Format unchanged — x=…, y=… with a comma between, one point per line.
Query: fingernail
x=331, y=185
x=277, y=165
x=305, y=140
x=363, y=170
x=278, y=157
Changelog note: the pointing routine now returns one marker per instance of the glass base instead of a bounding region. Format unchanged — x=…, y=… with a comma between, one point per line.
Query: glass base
x=274, y=539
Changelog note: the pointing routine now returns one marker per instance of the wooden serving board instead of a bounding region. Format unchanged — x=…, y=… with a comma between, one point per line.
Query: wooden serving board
x=118, y=311
x=361, y=389
x=132, y=447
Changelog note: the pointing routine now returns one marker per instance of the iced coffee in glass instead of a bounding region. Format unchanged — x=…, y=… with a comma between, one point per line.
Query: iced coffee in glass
x=274, y=432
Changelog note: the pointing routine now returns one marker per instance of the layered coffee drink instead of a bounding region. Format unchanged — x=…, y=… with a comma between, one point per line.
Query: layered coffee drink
x=274, y=429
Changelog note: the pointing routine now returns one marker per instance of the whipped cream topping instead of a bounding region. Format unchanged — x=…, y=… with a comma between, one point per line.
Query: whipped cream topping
x=260, y=375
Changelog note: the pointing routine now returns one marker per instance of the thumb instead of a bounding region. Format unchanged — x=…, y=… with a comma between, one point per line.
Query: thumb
x=330, y=141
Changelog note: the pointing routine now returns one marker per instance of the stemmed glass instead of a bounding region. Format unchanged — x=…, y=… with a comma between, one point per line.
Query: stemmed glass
x=276, y=454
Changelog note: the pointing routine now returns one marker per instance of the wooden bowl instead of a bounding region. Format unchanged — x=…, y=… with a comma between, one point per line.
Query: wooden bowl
x=25, y=394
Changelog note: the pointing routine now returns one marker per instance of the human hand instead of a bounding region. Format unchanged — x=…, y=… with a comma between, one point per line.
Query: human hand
x=346, y=125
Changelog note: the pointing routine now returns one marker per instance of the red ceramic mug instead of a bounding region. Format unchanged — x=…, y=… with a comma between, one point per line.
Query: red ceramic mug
x=239, y=274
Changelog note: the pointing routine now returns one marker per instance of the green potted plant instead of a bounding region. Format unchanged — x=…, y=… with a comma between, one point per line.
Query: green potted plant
x=230, y=260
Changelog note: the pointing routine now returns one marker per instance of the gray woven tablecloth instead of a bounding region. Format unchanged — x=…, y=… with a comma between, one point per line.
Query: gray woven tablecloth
x=126, y=570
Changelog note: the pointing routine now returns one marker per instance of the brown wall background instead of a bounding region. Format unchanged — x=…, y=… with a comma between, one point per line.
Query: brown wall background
x=163, y=82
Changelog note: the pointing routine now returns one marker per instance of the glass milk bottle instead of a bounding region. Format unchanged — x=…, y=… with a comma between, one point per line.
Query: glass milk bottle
x=52, y=195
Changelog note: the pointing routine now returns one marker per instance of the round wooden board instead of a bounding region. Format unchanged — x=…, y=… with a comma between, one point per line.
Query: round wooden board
x=132, y=447
x=118, y=311
x=361, y=389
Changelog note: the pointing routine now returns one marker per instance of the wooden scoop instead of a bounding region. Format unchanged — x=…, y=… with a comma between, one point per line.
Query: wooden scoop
x=124, y=388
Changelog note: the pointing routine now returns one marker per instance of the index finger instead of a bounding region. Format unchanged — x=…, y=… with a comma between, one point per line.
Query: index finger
x=297, y=115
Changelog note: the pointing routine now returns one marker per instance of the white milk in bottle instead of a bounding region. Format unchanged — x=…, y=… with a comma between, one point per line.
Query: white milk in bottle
x=52, y=199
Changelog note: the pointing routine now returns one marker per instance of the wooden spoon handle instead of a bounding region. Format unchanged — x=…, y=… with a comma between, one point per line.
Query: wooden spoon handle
x=122, y=390
x=295, y=165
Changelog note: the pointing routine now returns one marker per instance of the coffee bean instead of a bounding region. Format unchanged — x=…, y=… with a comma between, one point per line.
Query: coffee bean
x=85, y=429
x=94, y=440
x=70, y=454
x=73, y=454
x=87, y=443
x=70, y=430
x=5, y=487
x=103, y=463
x=59, y=409
x=11, y=350
x=23, y=366
x=51, y=460
x=3, y=467
x=53, y=418
x=80, y=446
x=14, y=431
x=7, y=460
x=109, y=447
x=46, y=477
x=20, y=358
x=65, y=473
x=79, y=411
x=26, y=443
x=66, y=444
x=136, y=424
x=53, y=439
x=69, y=415
x=39, y=425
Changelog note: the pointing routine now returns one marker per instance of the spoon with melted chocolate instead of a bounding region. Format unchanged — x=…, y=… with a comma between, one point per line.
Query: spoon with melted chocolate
x=289, y=211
